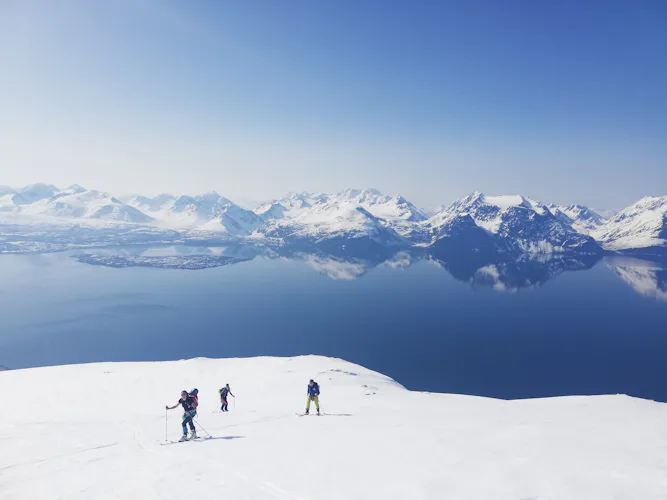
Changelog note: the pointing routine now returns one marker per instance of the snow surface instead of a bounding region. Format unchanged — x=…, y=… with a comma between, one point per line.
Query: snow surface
x=641, y=225
x=582, y=219
x=504, y=202
x=87, y=205
x=334, y=218
x=328, y=215
x=94, y=431
x=33, y=193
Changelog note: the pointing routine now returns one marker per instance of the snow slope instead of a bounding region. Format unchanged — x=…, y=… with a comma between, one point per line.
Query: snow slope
x=7, y=204
x=333, y=220
x=306, y=208
x=232, y=219
x=292, y=205
x=190, y=211
x=519, y=224
x=94, y=431
x=582, y=219
x=204, y=212
x=33, y=193
x=77, y=203
x=147, y=204
x=641, y=225
x=389, y=208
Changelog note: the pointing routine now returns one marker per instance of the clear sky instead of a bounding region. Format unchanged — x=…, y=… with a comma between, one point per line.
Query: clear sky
x=563, y=101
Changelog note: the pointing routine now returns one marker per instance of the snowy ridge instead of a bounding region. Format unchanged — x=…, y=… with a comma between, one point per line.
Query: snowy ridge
x=314, y=209
x=582, y=219
x=291, y=205
x=519, y=224
x=208, y=212
x=146, y=204
x=33, y=193
x=105, y=443
x=332, y=220
x=77, y=203
x=641, y=225
x=512, y=224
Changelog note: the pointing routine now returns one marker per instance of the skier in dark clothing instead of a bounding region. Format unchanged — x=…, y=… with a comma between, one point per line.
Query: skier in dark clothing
x=313, y=395
x=189, y=411
x=223, y=397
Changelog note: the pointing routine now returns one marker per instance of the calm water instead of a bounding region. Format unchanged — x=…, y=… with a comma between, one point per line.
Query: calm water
x=512, y=330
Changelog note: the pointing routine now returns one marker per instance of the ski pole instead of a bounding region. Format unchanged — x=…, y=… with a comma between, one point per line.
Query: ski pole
x=200, y=426
x=165, y=424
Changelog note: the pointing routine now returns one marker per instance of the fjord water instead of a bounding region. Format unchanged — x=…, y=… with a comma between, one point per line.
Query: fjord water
x=499, y=331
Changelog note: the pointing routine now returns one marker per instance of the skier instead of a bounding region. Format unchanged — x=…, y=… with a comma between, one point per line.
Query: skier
x=189, y=411
x=313, y=395
x=223, y=397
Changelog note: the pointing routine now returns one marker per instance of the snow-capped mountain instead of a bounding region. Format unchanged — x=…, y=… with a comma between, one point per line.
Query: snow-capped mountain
x=520, y=224
x=155, y=204
x=234, y=220
x=34, y=192
x=16, y=201
x=207, y=212
x=7, y=204
x=77, y=203
x=292, y=205
x=580, y=218
x=640, y=226
x=475, y=223
x=382, y=206
x=459, y=234
x=334, y=221
x=184, y=211
x=395, y=211
x=202, y=207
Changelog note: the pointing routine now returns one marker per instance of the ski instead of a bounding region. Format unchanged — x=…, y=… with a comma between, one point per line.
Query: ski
x=310, y=414
x=165, y=443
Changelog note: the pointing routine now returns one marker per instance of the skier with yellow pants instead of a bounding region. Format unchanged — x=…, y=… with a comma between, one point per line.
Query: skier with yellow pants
x=313, y=395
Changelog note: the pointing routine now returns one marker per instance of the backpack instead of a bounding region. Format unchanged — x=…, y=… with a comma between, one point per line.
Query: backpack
x=195, y=398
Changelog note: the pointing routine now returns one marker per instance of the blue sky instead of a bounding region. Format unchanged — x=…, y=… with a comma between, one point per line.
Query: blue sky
x=562, y=101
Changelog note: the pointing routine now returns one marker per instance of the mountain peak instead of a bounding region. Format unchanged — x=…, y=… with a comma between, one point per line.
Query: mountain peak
x=209, y=195
x=75, y=189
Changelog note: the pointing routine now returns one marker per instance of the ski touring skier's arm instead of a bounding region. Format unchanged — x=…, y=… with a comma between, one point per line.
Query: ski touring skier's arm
x=175, y=406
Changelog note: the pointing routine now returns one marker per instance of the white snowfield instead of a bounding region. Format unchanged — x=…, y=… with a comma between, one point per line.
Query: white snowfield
x=95, y=432
x=641, y=225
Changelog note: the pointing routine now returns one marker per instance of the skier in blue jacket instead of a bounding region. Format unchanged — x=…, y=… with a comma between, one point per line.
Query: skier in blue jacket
x=313, y=395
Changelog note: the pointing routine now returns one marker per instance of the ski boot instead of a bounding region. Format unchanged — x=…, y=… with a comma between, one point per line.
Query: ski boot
x=193, y=435
x=184, y=437
x=306, y=412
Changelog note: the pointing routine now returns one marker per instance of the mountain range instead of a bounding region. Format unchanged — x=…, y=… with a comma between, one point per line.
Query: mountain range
x=476, y=224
